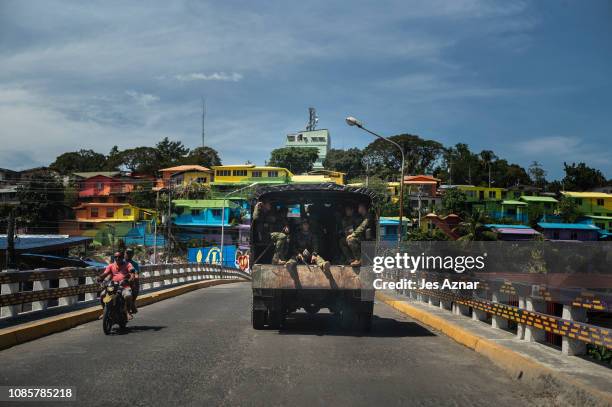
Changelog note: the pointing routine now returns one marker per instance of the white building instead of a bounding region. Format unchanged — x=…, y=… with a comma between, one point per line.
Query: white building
x=311, y=138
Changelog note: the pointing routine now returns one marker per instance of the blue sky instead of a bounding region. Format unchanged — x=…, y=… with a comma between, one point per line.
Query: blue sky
x=529, y=80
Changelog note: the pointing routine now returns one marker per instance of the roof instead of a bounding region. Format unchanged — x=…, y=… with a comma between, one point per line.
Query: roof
x=538, y=199
x=102, y=204
x=513, y=202
x=40, y=242
x=586, y=194
x=499, y=225
x=421, y=179
x=205, y=203
x=598, y=217
x=573, y=226
x=90, y=174
x=310, y=178
x=514, y=231
x=180, y=168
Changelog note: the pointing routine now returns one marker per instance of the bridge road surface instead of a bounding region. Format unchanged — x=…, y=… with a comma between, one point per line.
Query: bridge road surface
x=199, y=349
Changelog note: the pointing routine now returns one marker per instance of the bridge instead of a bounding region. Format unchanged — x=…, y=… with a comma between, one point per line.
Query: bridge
x=192, y=344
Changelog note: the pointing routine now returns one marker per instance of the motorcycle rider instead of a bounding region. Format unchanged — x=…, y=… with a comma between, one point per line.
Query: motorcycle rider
x=129, y=258
x=121, y=272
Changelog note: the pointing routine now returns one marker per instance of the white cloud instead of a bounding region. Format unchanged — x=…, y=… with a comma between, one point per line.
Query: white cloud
x=144, y=99
x=215, y=76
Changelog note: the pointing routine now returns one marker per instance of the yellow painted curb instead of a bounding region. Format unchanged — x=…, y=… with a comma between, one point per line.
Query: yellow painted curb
x=517, y=365
x=18, y=334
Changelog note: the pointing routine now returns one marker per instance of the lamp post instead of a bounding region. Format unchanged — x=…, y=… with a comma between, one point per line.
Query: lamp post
x=351, y=121
x=223, y=215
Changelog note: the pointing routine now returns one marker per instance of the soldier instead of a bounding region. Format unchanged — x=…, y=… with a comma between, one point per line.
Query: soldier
x=271, y=226
x=305, y=245
x=348, y=224
x=351, y=245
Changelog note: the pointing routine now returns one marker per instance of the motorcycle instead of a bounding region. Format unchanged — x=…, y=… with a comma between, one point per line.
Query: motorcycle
x=114, y=307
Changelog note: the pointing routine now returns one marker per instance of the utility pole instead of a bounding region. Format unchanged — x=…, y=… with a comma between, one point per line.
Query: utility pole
x=10, y=241
x=155, y=228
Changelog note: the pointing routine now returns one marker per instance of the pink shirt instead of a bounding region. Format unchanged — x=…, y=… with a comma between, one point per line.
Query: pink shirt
x=119, y=273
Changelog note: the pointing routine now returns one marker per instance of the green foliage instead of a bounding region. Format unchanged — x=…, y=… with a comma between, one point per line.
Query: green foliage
x=204, y=156
x=600, y=353
x=348, y=161
x=41, y=202
x=384, y=159
x=430, y=235
x=142, y=196
x=193, y=190
x=582, y=178
x=537, y=175
x=78, y=161
x=382, y=201
x=454, y=201
x=170, y=153
x=142, y=160
x=298, y=160
x=474, y=229
x=568, y=210
x=534, y=214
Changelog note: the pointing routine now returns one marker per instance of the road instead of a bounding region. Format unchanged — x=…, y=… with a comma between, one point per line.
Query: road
x=199, y=349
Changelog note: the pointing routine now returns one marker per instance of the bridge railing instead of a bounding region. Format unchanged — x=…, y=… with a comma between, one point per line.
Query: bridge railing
x=533, y=310
x=66, y=288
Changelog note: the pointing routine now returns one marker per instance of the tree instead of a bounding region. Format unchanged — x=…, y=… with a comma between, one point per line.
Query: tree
x=78, y=161
x=41, y=202
x=143, y=195
x=582, y=178
x=537, y=175
x=454, y=201
x=382, y=200
x=170, y=153
x=193, y=190
x=384, y=159
x=298, y=160
x=568, y=210
x=142, y=160
x=348, y=161
x=474, y=229
x=204, y=156
x=486, y=158
x=114, y=159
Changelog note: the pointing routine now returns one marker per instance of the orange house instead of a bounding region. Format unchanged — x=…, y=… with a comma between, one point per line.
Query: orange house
x=103, y=186
x=426, y=183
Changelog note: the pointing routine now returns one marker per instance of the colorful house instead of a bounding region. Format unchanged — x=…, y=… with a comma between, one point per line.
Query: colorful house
x=249, y=173
x=513, y=232
x=545, y=205
x=422, y=192
x=388, y=227
x=205, y=212
x=446, y=224
x=512, y=210
x=476, y=194
x=604, y=223
x=592, y=203
x=183, y=175
x=319, y=176
x=569, y=231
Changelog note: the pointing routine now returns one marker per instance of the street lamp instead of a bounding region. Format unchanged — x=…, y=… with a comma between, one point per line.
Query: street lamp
x=351, y=121
x=223, y=216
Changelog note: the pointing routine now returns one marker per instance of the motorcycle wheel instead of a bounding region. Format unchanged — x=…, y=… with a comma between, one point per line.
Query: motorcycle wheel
x=107, y=321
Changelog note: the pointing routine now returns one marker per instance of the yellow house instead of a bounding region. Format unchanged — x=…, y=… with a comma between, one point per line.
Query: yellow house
x=249, y=173
x=94, y=212
x=319, y=176
x=479, y=194
x=592, y=203
x=183, y=175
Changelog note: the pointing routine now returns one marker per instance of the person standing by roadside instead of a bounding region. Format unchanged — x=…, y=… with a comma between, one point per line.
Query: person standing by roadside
x=129, y=258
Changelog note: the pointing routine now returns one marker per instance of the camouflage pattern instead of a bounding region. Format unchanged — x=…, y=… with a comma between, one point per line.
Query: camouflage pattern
x=270, y=228
x=356, y=229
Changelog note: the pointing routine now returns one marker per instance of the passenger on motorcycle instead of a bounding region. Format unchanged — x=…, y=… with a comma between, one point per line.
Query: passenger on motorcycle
x=121, y=272
x=129, y=258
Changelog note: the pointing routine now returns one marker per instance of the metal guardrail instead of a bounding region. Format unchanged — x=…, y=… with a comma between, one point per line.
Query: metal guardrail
x=490, y=303
x=73, y=283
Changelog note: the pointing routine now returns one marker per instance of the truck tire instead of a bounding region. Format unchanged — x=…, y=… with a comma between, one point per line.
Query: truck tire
x=258, y=318
x=311, y=310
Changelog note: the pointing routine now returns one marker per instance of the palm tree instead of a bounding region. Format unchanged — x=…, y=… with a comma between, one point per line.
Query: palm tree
x=474, y=229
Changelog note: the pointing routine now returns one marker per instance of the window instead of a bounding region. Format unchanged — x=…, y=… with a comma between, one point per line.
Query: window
x=272, y=174
x=195, y=212
x=470, y=194
x=290, y=138
x=492, y=194
x=600, y=202
x=98, y=186
x=574, y=235
x=223, y=173
x=256, y=174
x=240, y=173
x=556, y=234
x=110, y=212
x=596, y=214
x=201, y=180
x=579, y=201
x=94, y=212
x=127, y=211
x=216, y=213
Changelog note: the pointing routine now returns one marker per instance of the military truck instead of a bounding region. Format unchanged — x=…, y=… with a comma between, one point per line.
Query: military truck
x=279, y=290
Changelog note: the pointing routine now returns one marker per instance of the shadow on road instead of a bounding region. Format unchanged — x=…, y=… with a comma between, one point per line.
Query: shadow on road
x=138, y=328
x=327, y=324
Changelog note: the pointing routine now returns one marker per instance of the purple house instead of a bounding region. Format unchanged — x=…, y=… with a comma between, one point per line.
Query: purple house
x=513, y=232
x=569, y=231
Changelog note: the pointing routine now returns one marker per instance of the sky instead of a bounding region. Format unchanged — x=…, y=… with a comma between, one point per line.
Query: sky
x=529, y=80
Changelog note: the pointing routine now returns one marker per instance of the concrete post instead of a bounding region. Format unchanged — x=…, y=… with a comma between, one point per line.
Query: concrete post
x=533, y=334
x=570, y=346
x=72, y=299
x=13, y=288
x=156, y=273
x=478, y=315
x=497, y=321
x=167, y=274
x=90, y=296
x=447, y=305
x=434, y=301
x=520, y=328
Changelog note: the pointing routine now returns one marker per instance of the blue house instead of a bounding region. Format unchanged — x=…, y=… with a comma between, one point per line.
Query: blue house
x=569, y=231
x=205, y=212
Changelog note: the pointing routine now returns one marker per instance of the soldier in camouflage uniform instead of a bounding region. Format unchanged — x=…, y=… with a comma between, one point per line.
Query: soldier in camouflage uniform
x=272, y=226
x=351, y=244
x=348, y=223
x=305, y=246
